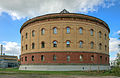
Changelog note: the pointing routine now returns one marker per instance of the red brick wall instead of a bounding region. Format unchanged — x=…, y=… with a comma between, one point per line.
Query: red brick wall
x=61, y=57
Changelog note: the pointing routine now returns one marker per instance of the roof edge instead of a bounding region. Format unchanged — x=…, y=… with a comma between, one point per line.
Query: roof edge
x=65, y=15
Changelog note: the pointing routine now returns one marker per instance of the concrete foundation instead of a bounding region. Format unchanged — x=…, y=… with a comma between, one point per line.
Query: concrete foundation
x=64, y=67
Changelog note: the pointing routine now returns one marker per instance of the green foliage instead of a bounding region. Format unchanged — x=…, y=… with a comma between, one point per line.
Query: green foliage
x=115, y=71
x=118, y=59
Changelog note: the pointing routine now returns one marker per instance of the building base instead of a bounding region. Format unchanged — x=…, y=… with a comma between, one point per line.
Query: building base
x=64, y=67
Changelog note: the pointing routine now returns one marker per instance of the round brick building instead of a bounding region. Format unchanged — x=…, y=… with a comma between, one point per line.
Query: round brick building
x=64, y=42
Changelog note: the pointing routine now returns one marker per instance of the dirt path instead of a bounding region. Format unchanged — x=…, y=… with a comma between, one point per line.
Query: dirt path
x=51, y=76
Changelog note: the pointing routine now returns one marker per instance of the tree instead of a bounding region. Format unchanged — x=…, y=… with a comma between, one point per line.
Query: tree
x=118, y=54
x=118, y=59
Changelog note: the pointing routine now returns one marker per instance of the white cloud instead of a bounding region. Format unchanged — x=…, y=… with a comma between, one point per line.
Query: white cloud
x=11, y=48
x=113, y=47
x=118, y=32
x=112, y=58
x=31, y=8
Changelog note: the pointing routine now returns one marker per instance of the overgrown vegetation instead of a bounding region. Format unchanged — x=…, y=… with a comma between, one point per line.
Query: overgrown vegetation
x=115, y=71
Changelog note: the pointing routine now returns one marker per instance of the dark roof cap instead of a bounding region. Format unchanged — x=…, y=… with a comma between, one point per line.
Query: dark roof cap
x=64, y=11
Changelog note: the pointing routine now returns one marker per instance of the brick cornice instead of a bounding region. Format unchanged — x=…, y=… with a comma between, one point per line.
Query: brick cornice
x=63, y=51
x=70, y=15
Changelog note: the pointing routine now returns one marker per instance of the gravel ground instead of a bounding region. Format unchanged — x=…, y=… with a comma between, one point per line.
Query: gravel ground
x=51, y=76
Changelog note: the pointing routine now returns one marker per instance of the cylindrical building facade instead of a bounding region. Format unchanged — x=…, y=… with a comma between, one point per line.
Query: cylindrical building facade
x=73, y=41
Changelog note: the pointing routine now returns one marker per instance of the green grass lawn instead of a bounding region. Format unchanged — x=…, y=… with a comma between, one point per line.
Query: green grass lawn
x=113, y=72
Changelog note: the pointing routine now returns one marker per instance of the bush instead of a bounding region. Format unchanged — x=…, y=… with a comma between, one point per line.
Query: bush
x=115, y=71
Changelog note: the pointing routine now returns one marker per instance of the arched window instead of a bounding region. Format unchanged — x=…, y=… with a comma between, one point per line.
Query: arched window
x=68, y=58
x=33, y=45
x=105, y=36
x=81, y=57
x=42, y=31
x=100, y=34
x=92, y=45
x=92, y=58
x=22, y=48
x=25, y=58
x=54, y=43
x=100, y=46
x=105, y=48
x=100, y=59
x=91, y=32
x=67, y=43
x=33, y=33
x=22, y=37
x=68, y=30
x=42, y=58
x=81, y=30
x=54, y=30
x=42, y=44
x=32, y=58
x=26, y=35
x=106, y=59
x=81, y=44
x=26, y=46
x=54, y=57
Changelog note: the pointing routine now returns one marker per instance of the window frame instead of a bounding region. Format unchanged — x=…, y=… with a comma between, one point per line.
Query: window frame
x=68, y=58
x=55, y=30
x=100, y=34
x=26, y=35
x=105, y=37
x=55, y=44
x=33, y=58
x=25, y=58
x=33, y=45
x=68, y=43
x=100, y=46
x=91, y=32
x=42, y=31
x=92, y=44
x=67, y=30
x=26, y=47
x=101, y=59
x=81, y=57
x=81, y=30
x=22, y=37
x=105, y=47
x=42, y=58
x=54, y=58
x=42, y=44
x=81, y=44
x=22, y=48
x=92, y=58
x=33, y=33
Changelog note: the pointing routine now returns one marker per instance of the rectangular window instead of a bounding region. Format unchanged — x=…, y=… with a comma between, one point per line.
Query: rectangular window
x=25, y=58
x=68, y=30
x=32, y=58
x=42, y=57
x=81, y=57
x=92, y=58
x=100, y=59
x=68, y=58
x=26, y=35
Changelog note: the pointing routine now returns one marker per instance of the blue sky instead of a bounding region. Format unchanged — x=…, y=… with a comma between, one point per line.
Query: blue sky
x=14, y=14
